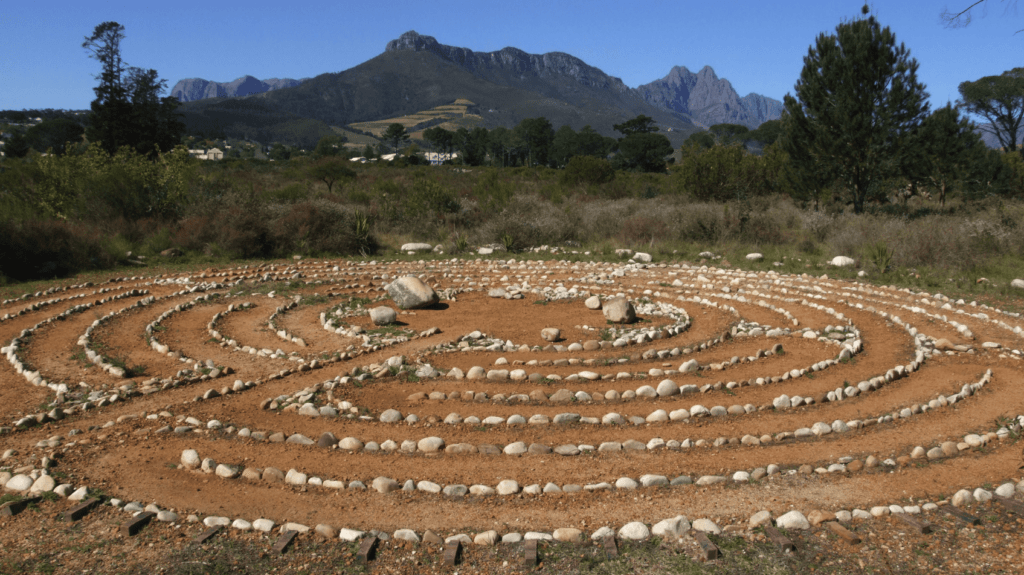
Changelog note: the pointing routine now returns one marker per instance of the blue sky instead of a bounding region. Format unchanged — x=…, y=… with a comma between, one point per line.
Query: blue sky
x=759, y=46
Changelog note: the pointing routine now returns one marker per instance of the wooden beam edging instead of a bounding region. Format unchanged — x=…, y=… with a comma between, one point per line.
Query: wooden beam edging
x=530, y=557
x=367, y=550
x=12, y=508
x=784, y=543
x=135, y=524
x=847, y=535
x=709, y=549
x=282, y=543
x=79, y=511
x=961, y=515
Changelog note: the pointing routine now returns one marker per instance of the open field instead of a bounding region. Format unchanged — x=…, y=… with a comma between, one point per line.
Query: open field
x=453, y=117
x=261, y=396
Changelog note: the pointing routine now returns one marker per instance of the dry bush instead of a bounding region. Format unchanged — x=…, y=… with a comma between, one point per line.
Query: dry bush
x=643, y=229
x=818, y=224
x=315, y=227
x=703, y=223
x=530, y=221
x=35, y=249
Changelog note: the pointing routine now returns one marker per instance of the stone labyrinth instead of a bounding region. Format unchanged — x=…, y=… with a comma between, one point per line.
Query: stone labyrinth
x=512, y=405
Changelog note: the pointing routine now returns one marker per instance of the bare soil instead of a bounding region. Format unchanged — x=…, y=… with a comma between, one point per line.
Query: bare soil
x=117, y=451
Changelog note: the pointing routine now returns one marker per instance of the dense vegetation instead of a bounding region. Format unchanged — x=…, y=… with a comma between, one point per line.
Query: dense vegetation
x=911, y=191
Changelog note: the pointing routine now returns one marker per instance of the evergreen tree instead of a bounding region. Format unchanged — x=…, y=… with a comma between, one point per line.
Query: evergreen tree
x=857, y=105
x=641, y=148
x=396, y=136
x=1000, y=100
x=950, y=150
x=128, y=109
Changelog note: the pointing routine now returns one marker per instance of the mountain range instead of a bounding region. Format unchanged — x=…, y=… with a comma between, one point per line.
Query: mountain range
x=416, y=72
x=192, y=89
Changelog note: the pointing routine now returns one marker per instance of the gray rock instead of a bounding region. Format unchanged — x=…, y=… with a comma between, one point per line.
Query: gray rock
x=674, y=527
x=391, y=416
x=411, y=293
x=455, y=490
x=760, y=518
x=300, y=439
x=550, y=334
x=19, y=482
x=667, y=388
x=566, y=418
x=508, y=487
x=407, y=535
x=567, y=449
x=383, y=315
x=619, y=310
x=46, y=484
x=430, y=444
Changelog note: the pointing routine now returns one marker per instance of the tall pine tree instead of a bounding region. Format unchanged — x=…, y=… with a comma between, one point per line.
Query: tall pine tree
x=128, y=109
x=857, y=105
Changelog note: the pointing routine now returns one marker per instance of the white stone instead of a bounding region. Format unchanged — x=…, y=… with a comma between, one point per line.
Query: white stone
x=407, y=535
x=675, y=527
x=793, y=520
x=19, y=482
x=346, y=534
x=430, y=444
x=707, y=526
x=634, y=531
x=507, y=487
x=263, y=525
x=190, y=459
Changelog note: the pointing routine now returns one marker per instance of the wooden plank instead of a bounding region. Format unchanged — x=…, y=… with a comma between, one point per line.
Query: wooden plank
x=453, y=553
x=785, y=545
x=847, y=535
x=610, y=547
x=1010, y=504
x=367, y=550
x=135, y=524
x=961, y=515
x=530, y=559
x=284, y=541
x=919, y=525
x=205, y=535
x=78, y=511
x=12, y=508
x=709, y=549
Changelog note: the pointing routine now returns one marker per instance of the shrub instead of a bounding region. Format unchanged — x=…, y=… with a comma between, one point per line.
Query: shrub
x=38, y=249
x=584, y=170
x=642, y=229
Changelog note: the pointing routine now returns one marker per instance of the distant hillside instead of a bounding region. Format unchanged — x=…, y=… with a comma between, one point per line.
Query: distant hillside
x=198, y=89
x=416, y=73
x=990, y=139
x=708, y=99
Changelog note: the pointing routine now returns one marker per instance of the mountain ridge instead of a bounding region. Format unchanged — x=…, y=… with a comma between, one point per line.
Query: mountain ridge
x=416, y=72
x=191, y=89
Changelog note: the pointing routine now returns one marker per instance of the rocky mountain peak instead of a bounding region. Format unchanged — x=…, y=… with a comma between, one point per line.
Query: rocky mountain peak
x=708, y=99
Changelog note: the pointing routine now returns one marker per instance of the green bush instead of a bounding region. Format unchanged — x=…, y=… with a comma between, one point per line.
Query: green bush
x=586, y=170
